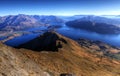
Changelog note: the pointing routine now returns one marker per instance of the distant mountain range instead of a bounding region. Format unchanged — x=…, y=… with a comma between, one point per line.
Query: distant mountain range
x=98, y=19
x=101, y=28
x=21, y=21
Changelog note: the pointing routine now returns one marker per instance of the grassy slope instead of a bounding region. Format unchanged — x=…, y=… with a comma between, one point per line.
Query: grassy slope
x=74, y=59
x=14, y=63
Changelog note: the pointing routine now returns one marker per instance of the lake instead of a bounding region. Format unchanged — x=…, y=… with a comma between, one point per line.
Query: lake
x=79, y=33
x=71, y=33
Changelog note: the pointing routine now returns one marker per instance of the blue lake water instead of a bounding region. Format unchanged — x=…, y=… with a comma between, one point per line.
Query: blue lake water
x=25, y=38
x=78, y=33
x=37, y=28
x=2, y=38
x=20, y=40
x=71, y=33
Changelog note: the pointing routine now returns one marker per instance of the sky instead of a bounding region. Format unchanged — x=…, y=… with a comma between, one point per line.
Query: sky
x=60, y=7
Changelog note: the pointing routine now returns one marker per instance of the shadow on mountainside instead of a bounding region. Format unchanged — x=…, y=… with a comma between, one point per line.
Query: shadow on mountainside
x=49, y=41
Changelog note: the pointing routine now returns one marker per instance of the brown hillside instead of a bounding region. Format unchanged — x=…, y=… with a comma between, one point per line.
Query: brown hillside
x=14, y=63
x=57, y=54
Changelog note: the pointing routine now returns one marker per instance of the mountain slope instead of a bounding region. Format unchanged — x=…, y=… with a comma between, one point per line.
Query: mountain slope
x=103, y=48
x=15, y=63
x=69, y=58
x=18, y=22
x=49, y=41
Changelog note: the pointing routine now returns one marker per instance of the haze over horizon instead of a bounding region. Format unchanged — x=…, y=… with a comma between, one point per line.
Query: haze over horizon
x=60, y=7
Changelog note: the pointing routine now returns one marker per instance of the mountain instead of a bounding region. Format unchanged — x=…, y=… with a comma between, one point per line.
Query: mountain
x=101, y=19
x=50, y=42
x=52, y=20
x=21, y=21
x=13, y=62
x=101, y=28
x=57, y=55
x=98, y=19
x=18, y=22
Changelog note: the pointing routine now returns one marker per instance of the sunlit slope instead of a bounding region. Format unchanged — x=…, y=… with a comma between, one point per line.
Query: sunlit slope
x=69, y=58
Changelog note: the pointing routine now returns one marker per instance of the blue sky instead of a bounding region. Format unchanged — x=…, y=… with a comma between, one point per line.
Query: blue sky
x=60, y=7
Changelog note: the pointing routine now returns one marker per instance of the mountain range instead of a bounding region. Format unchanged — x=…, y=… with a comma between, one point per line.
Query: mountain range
x=101, y=28
x=114, y=20
x=21, y=21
